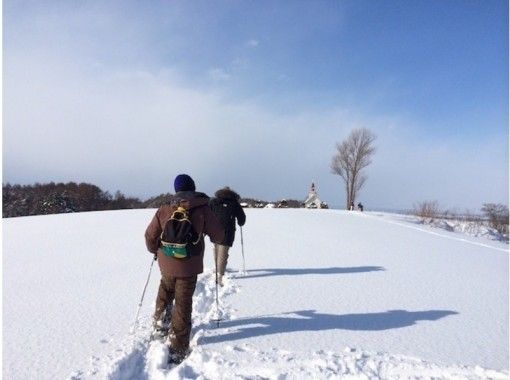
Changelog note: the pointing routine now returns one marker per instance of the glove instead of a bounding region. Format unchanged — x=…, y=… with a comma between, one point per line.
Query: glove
x=155, y=256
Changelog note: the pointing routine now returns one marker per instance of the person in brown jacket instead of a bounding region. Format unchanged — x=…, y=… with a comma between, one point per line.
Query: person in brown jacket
x=179, y=275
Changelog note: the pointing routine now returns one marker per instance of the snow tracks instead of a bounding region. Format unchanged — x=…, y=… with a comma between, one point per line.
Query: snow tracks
x=137, y=358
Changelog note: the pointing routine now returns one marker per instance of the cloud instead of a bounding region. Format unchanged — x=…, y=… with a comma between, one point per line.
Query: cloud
x=133, y=130
x=252, y=43
x=240, y=62
x=218, y=75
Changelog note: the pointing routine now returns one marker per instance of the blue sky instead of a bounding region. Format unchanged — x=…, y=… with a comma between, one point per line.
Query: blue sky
x=255, y=94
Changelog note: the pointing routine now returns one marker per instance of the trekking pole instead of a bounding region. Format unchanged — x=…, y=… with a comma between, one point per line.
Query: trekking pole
x=242, y=250
x=218, y=319
x=143, y=295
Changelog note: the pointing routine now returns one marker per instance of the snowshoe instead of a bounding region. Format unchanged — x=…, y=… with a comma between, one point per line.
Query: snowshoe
x=160, y=330
x=176, y=357
x=161, y=327
x=159, y=334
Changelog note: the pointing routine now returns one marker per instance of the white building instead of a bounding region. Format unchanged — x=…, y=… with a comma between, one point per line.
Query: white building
x=313, y=201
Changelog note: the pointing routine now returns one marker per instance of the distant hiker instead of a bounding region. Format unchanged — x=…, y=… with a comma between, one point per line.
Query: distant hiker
x=176, y=236
x=360, y=206
x=351, y=207
x=226, y=206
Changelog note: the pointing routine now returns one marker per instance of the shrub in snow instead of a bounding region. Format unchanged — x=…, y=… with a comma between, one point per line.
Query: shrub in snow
x=426, y=210
x=498, y=216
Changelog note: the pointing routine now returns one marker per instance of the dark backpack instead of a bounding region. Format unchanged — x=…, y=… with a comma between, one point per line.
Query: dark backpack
x=225, y=211
x=177, y=233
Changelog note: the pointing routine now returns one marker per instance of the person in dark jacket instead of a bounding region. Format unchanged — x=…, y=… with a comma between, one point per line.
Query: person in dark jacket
x=226, y=206
x=179, y=275
x=360, y=206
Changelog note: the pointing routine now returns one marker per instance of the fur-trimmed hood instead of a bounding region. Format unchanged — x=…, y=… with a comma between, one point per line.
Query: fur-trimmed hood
x=227, y=193
x=192, y=199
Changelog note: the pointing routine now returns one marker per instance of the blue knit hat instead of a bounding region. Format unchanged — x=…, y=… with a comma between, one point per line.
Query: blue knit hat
x=184, y=182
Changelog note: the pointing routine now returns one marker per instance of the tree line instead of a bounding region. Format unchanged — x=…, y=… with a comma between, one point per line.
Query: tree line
x=56, y=198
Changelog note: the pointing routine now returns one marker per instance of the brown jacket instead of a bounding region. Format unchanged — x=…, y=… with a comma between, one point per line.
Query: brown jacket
x=204, y=222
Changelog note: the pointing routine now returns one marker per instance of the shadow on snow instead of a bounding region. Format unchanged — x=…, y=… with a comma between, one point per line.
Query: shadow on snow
x=253, y=273
x=311, y=320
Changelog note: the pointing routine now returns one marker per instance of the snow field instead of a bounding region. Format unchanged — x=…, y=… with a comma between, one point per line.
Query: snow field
x=326, y=294
x=243, y=361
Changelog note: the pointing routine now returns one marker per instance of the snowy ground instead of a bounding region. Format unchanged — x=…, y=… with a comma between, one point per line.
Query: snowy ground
x=327, y=294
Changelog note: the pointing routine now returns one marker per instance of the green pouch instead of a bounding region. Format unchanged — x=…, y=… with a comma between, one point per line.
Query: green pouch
x=175, y=250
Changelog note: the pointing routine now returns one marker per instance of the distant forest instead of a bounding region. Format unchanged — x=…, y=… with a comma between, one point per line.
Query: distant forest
x=58, y=198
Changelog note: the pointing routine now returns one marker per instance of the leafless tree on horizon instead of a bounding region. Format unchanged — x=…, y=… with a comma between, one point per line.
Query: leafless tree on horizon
x=352, y=156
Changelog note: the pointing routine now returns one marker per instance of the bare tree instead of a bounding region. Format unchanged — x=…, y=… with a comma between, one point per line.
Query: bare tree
x=352, y=156
x=498, y=216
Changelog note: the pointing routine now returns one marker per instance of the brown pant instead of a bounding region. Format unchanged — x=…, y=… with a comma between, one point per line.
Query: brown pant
x=221, y=258
x=181, y=290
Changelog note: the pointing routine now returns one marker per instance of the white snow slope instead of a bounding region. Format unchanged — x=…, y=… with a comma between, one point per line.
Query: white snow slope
x=326, y=294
